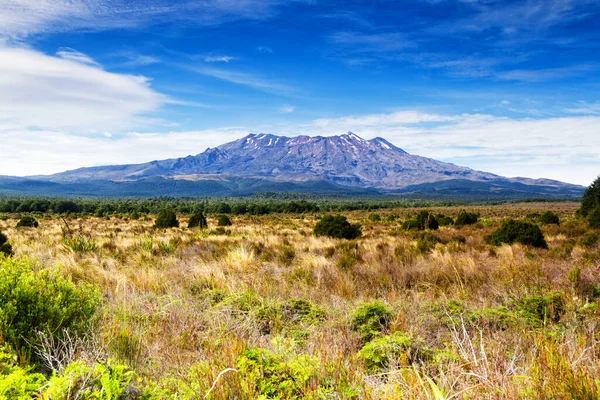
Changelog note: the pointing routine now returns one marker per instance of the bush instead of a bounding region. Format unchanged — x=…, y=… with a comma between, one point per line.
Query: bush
x=522, y=232
x=371, y=319
x=549, y=218
x=337, y=226
x=223, y=220
x=5, y=247
x=198, y=220
x=374, y=217
x=591, y=198
x=537, y=310
x=166, y=219
x=594, y=218
x=27, y=222
x=423, y=220
x=466, y=218
x=444, y=220
x=379, y=352
x=274, y=377
x=426, y=241
x=42, y=301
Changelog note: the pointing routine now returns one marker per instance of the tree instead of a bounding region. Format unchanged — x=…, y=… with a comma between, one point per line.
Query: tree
x=197, y=220
x=522, y=232
x=594, y=218
x=337, y=226
x=166, y=219
x=591, y=198
x=423, y=220
x=466, y=218
x=5, y=247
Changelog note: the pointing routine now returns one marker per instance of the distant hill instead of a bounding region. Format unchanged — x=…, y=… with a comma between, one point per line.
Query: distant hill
x=345, y=164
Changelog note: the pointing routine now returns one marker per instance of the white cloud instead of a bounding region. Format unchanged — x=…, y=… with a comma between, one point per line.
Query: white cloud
x=224, y=59
x=287, y=109
x=68, y=91
x=52, y=151
x=245, y=79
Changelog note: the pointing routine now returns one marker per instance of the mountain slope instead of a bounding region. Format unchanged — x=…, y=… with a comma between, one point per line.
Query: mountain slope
x=303, y=163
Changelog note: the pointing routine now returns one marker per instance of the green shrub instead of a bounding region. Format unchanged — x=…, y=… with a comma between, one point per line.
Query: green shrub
x=537, y=310
x=426, y=241
x=42, y=301
x=466, y=218
x=5, y=247
x=275, y=377
x=590, y=240
x=166, y=219
x=80, y=244
x=423, y=220
x=337, y=226
x=198, y=220
x=27, y=221
x=17, y=383
x=379, y=352
x=591, y=198
x=549, y=218
x=223, y=220
x=374, y=217
x=371, y=319
x=594, y=218
x=444, y=220
x=523, y=232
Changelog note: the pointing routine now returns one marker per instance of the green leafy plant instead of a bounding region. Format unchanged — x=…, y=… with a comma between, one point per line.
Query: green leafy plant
x=223, y=220
x=5, y=247
x=27, y=221
x=466, y=218
x=371, y=319
x=549, y=218
x=523, y=232
x=198, y=220
x=379, y=352
x=42, y=301
x=337, y=226
x=166, y=219
x=80, y=244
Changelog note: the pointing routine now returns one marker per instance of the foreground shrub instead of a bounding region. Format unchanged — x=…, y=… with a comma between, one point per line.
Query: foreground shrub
x=198, y=220
x=426, y=241
x=275, y=377
x=42, y=301
x=27, y=222
x=371, y=319
x=466, y=218
x=5, y=247
x=537, y=310
x=594, y=218
x=223, y=220
x=522, y=232
x=337, y=226
x=166, y=219
x=549, y=218
x=381, y=352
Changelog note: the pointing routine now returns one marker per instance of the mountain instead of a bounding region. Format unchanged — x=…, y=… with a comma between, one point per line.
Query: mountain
x=345, y=164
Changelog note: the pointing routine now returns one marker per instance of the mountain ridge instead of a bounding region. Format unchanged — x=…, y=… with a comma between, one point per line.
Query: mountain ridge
x=344, y=161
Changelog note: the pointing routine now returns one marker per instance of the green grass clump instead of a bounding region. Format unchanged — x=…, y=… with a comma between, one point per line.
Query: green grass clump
x=42, y=301
x=338, y=227
x=522, y=232
x=371, y=319
x=80, y=244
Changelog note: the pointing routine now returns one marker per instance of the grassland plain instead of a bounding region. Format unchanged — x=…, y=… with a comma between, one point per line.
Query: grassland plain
x=264, y=309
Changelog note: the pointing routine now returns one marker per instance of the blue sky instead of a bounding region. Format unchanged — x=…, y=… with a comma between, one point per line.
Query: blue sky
x=509, y=87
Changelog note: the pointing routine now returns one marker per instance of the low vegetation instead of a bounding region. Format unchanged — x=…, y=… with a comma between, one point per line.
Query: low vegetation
x=290, y=306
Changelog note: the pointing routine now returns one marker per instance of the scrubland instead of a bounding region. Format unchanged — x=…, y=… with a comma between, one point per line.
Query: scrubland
x=264, y=308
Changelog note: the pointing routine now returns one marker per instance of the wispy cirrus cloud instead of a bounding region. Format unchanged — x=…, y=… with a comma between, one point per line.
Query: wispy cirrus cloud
x=246, y=79
x=545, y=74
x=222, y=58
x=22, y=18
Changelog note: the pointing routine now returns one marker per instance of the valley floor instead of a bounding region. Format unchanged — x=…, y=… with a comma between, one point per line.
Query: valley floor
x=264, y=308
